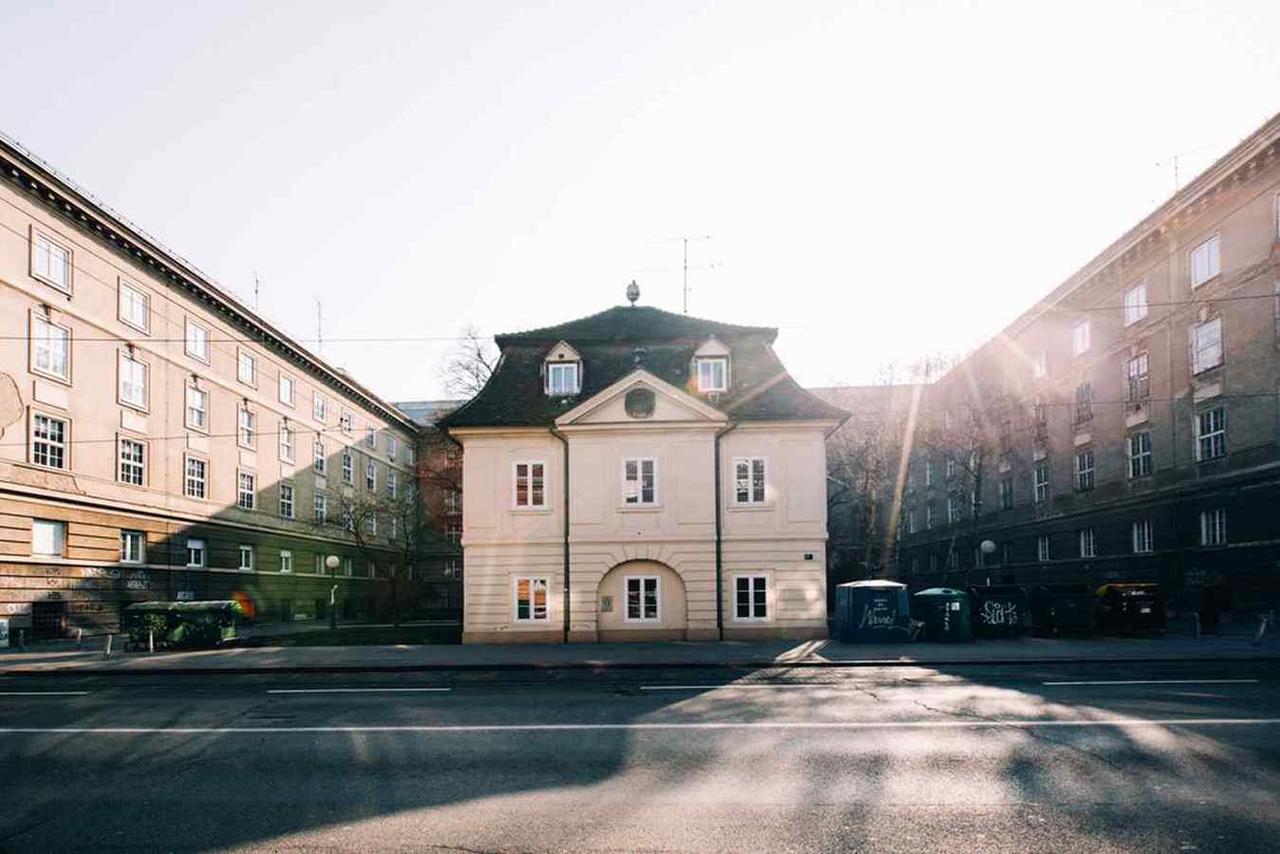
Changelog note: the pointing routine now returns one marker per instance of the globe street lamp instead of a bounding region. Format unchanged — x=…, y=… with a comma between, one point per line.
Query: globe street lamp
x=332, y=563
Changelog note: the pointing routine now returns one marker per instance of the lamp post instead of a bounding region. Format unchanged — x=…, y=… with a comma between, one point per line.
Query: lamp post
x=332, y=563
x=988, y=548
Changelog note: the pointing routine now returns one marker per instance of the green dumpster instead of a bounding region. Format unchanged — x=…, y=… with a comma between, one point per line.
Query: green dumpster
x=945, y=614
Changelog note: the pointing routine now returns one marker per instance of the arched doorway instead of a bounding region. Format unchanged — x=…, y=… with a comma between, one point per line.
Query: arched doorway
x=641, y=600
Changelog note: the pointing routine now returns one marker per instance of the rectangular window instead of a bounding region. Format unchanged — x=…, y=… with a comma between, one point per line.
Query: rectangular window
x=319, y=462
x=320, y=504
x=1084, y=471
x=371, y=524
x=347, y=421
x=1084, y=402
x=348, y=567
x=286, y=500
x=135, y=307
x=453, y=533
x=133, y=462
x=348, y=468
x=393, y=484
x=1136, y=379
x=247, y=368
x=1040, y=365
x=749, y=480
x=531, y=599
x=713, y=374
x=48, y=538
x=286, y=443
x=1135, y=304
x=319, y=407
x=751, y=597
x=51, y=349
x=246, y=490
x=452, y=502
x=133, y=382
x=1088, y=543
x=1041, y=483
x=48, y=441
x=642, y=598
x=133, y=547
x=1080, y=337
x=196, y=555
x=530, y=488
x=348, y=516
x=247, y=428
x=1140, y=454
x=197, y=409
x=911, y=521
x=1142, y=539
x=393, y=447
x=51, y=262
x=370, y=437
x=953, y=510
x=197, y=341
x=640, y=481
x=1206, y=345
x=928, y=516
x=286, y=560
x=393, y=527
x=928, y=473
x=1211, y=434
x=1042, y=548
x=562, y=378
x=287, y=389
x=246, y=558
x=1206, y=261
x=195, y=481
x=371, y=476
x=1213, y=527
x=1006, y=494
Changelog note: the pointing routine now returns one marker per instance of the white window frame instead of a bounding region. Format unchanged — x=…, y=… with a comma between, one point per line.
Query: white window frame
x=348, y=566
x=1141, y=537
x=287, y=507
x=319, y=457
x=564, y=379
x=249, y=552
x=707, y=379
x=1206, y=354
x=1137, y=383
x=1040, y=483
x=45, y=273
x=1081, y=337
x=195, y=341
x=1006, y=493
x=319, y=407
x=1040, y=365
x=953, y=510
x=188, y=479
x=346, y=421
x=1088, y=543
x=286, y=561
x=930, y=516
x=1135, y=304
x=60, y=447
x=370, y=476
x=1216, y=438
x=287, y=390
x=244, y=476
x=1213, y=526
x=246, y=427
x=636, y=499
x=393, y=446
x=751, y=578
x=320, y=508
x=1204, y=261
x=247, y=368
x=56, y=530
x=287, y=442
x=140, y=465
x=126, y=366
x=197, y=547
x=1140, y=459
x=1085, y=470
x=1043, y=551
x=642, y=581
x=133, y=546
x=393, y=484
x=371, y=437
x=202, y=425
x=44, y=342
x=750, y=484
x=529, y=479
x=130, y=295
x=533, y=615
x=348, y=467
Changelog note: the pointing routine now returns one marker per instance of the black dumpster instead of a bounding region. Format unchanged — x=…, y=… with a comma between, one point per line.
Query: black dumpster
x=1130, y=609
x=999, y=610
x=872, y=612
x=945, y=614
x=175, y=625
x=1063, y=609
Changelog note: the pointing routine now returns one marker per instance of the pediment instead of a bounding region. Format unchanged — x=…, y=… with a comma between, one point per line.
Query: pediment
x=627, y=401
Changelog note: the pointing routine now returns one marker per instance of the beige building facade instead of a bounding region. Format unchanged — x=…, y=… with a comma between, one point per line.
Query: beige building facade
x=161, y=441
x=639, y=475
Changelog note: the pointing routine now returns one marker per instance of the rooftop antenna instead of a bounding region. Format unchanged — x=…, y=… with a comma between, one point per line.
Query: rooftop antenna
x=255, y=290
x=684, y=266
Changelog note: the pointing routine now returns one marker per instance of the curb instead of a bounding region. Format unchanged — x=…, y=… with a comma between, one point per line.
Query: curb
x=545, y=666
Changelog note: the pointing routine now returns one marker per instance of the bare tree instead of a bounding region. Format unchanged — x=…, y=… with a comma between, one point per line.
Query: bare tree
x=862, y=464
x=469, y=364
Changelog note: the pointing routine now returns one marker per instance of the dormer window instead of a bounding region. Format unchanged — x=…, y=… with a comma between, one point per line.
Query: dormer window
x=713, y=374
x=563, y=379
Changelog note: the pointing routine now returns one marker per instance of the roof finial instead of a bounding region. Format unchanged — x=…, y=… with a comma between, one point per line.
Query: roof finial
x=633, y=292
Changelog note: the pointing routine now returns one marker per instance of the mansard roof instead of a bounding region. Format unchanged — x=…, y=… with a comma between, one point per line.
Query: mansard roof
x=615, y=342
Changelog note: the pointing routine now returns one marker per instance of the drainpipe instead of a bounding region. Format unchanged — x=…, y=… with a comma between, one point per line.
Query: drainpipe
x=564, y=440
x=719, y=534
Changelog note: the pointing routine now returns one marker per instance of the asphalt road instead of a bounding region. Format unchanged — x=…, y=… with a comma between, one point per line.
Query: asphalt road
x=1045, y=758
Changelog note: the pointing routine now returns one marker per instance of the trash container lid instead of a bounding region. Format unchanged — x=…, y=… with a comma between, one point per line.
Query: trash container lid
x=949, y=592
x=874, y=583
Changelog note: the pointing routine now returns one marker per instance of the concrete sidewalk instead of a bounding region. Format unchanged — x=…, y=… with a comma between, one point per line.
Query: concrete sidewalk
x=635, y=655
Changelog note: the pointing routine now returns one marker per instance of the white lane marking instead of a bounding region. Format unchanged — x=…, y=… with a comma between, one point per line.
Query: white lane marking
x=43, y=693
x=751, y=685
x=1159, y=682
x=355, y=690
x=1120, y=723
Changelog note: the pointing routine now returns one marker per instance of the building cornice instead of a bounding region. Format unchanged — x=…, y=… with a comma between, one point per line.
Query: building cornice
x=39, y=182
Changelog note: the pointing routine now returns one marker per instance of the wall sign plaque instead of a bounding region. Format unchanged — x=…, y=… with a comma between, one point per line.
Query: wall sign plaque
x=639, y=402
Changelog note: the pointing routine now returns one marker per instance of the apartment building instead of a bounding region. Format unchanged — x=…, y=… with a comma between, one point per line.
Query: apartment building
x=440, y=488
x=161, y=441
x=1126, y=427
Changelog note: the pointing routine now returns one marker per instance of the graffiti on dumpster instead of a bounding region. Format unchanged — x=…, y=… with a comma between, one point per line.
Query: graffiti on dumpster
x=996, y=613
x=878, y=615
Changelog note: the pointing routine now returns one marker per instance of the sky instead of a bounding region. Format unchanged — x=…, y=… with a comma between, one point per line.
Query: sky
x=877, y=180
